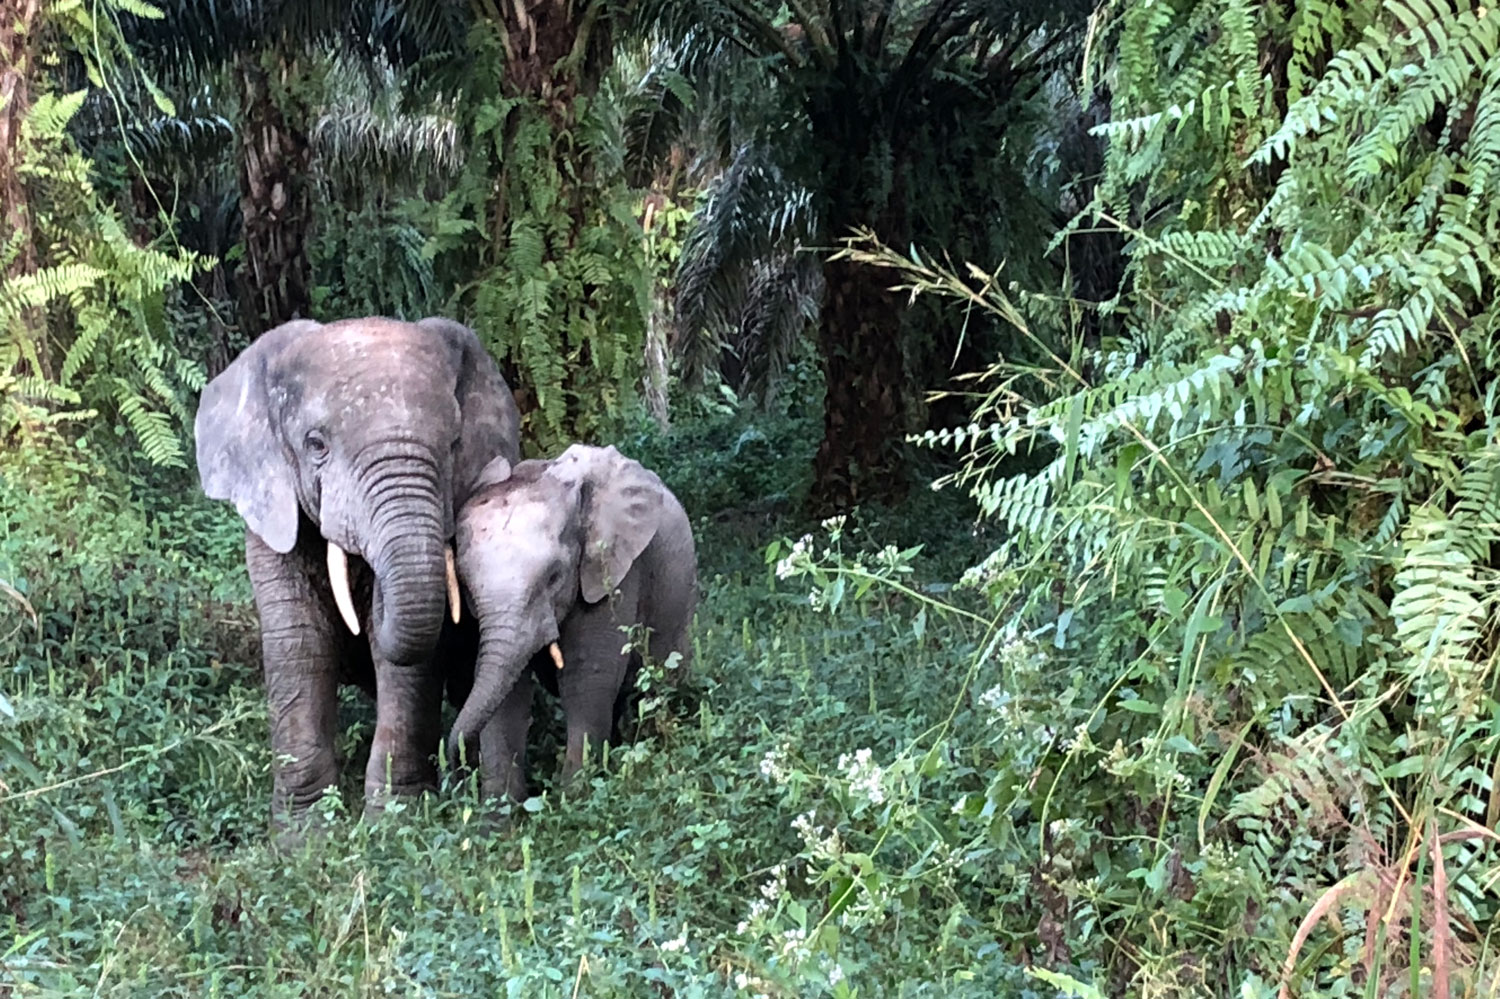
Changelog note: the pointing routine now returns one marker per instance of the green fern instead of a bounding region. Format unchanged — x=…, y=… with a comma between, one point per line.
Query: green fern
x=87, y=326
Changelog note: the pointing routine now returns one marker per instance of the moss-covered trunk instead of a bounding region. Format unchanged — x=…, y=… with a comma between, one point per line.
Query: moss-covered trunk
x=560, y=297
x=275, y=199
x=19, y=20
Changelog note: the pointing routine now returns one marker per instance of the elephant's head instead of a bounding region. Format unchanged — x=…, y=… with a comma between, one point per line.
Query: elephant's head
x=535, y=540
x=376, y=430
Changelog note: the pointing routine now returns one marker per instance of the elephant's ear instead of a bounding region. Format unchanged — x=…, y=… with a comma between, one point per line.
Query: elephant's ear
x=621, y=512
x=240, y=455
x=490, y=423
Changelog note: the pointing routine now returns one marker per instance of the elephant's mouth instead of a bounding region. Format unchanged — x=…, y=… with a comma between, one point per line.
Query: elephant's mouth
x=338, y=578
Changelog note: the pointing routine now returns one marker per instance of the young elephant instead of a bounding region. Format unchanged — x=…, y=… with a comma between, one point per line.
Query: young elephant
x=563, y=553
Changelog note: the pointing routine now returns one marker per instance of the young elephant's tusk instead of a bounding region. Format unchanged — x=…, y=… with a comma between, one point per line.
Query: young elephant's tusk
x=453, y=599
x=338, y=575
x=556, y=655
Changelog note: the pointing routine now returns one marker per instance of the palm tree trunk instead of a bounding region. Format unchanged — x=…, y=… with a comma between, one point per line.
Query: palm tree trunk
x=866, y=409
x=20, y=23
x=19, y=20
x=275, y=202
x=658, y=373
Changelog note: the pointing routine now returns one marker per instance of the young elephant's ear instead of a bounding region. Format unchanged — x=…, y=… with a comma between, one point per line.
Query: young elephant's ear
x=240, y=454
x=490, y=423
x=497, y=471
x=621, y=512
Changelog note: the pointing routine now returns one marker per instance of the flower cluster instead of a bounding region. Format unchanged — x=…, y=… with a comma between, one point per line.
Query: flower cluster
x=749, y=983
x=794, y=945
x=997, y=701
x=776, y=886
x=894, y=559
x=814, y=838
x=798, y=560
x=770, y=892
x=864, y=775
x=1079, y=741
x=758, y=910
x=774, y=766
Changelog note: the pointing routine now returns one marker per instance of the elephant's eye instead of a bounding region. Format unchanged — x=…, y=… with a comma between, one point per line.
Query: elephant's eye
x=317, y=447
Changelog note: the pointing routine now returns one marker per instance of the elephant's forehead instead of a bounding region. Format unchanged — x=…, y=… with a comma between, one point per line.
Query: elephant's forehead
x=369, y=370
x=509, y=516
x=368, y=343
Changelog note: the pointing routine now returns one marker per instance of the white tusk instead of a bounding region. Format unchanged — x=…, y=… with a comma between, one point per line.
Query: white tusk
x=338, y=575
x=453, y=599
x=556, y=654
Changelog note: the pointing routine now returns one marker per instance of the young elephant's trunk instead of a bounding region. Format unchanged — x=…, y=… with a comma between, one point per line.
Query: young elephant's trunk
x=504, y=651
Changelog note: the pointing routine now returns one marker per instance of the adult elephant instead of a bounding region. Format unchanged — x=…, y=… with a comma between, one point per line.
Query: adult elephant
x=347, y=448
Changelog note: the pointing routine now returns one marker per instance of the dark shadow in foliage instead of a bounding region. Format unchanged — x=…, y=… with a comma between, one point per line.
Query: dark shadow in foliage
x=890, y=116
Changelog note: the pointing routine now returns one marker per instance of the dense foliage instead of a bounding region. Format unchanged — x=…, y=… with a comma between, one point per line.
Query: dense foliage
x=83, y=309
x=1180, y=685
x=918, y=120
x=1253, y=742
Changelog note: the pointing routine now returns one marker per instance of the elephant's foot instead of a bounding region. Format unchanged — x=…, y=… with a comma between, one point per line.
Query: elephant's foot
x=294, y=824
x=496, y=817
x=293, y=833
x=380, y=797
x=396, y=771
x=297, y=794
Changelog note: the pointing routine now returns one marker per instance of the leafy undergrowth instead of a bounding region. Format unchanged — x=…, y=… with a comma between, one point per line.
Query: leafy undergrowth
x=133, y=851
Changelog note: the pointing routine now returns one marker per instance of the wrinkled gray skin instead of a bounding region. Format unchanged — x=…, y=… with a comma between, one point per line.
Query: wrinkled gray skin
x=567, y=550
x=369, y=433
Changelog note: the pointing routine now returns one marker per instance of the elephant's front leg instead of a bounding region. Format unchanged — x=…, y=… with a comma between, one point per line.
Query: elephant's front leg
x=594, y=670
x=299, y=651
x=503, y=743
x=408, y=708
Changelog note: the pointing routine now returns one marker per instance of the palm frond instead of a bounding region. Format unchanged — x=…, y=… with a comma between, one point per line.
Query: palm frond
x=363, y=128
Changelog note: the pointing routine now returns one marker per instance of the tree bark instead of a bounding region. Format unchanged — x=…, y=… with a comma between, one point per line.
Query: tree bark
x=275, y=200
x=19, y=20
x=866, y=410
x=20, y=24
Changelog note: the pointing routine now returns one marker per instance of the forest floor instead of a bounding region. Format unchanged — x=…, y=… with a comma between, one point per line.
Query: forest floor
x=715, y=854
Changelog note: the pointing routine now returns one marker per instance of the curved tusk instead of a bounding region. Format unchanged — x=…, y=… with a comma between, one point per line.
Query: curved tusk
x=556, y=655
x=454, y=604
x=338, y=575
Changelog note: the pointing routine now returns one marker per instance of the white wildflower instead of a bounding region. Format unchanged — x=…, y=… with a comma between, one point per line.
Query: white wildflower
x=773, y=766
x=773, y=888
x=795, y=559
x=817, y=838
x=996, y=700
x=794, y=944
x=864, y=775
x=749, y=983
x=758, y=909
x=836, y=975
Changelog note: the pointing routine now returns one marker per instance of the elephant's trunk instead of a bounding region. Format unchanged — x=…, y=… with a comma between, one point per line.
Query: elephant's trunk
x=503, y=653
x=409, y=553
